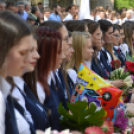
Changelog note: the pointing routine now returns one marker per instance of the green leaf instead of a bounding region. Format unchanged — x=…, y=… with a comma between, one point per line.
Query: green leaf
x=129, y=58
x=81, y=117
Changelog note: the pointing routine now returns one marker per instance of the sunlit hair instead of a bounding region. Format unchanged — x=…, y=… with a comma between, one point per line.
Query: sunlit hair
x=79, y=40
x=128, y=31
x=49, y=46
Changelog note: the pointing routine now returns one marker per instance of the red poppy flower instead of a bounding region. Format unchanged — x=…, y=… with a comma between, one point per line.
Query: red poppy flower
x=115, y=63
x=130, y=65
x=107, y=127
x=93, y=130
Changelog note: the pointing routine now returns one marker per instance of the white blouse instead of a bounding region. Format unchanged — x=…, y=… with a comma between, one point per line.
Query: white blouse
x=2, y=114
x=124, y=48
x=88, y=64
x=22, y=124
x=72, y=74
x=4, y=91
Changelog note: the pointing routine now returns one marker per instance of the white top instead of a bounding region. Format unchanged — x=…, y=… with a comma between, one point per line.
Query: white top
x=108, y=55
x=88, y=64
x=5, y=88
x=73, y=74
x=124, y=48
x=3, y=93
x=23, y=126
x=45, y=18
x=40, y=90
x=17, y=95
x=68, y=17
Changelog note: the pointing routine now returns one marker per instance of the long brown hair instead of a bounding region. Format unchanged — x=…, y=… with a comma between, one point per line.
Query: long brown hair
x=30, y=78
x=128, y=31
x=49, y=45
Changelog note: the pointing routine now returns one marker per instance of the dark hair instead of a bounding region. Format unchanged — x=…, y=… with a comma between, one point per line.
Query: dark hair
x=105, y=25
x=12, y=29
x=20, y=3
x=34, y=9
x=70, y=7
x=52, y=24
x=48, y=46
x=92, y=25
x=115, y=27
x=9, y=4
x=75, y=25
x=40, y=3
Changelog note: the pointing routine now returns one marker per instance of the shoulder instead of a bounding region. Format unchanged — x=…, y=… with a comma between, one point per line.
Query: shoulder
x=72, y=74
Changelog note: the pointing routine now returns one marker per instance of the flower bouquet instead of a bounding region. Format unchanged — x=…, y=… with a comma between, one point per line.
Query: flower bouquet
x=122, y=74
x=115, y=63
x=129, y=63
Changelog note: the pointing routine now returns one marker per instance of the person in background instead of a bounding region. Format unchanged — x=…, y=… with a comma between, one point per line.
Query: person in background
x=16, y=9
x=129, y=16
x=28, y=7
x=40, y=6
x=123, y=15
x=47, y=13
x=76, y=25
x=72, y=12
x=116, y=45
x=31, y=20
x=10, y=6
x=55, y=14
x=21, y=10
x=35, y=13
x=2, y=5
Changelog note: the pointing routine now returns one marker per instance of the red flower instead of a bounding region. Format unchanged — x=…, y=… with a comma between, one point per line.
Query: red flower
x=115, y=63
x=93, y=130
x=130, y=65
x=107, y=127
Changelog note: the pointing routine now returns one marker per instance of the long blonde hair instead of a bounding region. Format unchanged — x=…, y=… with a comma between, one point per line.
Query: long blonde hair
x=128, y=31
x=79, y=40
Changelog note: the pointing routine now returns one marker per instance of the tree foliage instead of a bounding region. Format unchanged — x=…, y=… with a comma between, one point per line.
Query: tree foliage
x=118, y=4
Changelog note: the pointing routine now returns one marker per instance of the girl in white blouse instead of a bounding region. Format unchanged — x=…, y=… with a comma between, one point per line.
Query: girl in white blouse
x=15, y=45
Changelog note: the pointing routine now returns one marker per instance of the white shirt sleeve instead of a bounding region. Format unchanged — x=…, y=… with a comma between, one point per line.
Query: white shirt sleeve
x=41, y=93
x=124, y=48
x=73, y=75
x=22, y=124
x=2, y=114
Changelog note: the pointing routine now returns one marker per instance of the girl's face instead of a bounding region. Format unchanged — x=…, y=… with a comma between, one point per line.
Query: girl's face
x=60, y=57
x=108, y=36
x=116, y=38
x=69, y=51
x=34, y=56
x=18, y=57
x=97, y=35
x=88, y=50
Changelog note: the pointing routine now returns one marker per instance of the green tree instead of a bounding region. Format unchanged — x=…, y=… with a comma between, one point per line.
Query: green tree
x=118, y=4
